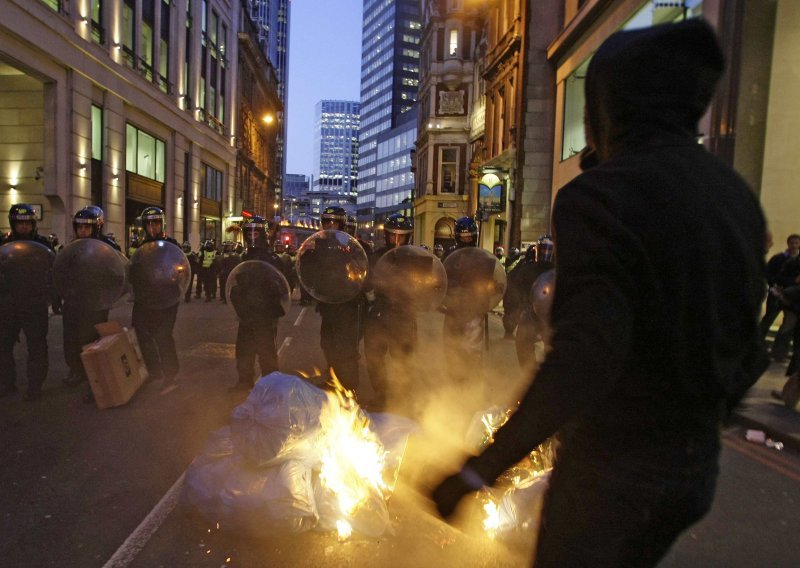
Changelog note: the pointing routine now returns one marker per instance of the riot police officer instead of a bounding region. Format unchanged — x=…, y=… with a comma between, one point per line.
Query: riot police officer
x=79, y=322
x=341, y=327
x=529, y=325
x=207, y=260
x=227, y=263
x=258, y=329
x=154, y=326
x=463, y=331
x=390, y=328
x=24, y=311
x=466, y=235
x=191, y=256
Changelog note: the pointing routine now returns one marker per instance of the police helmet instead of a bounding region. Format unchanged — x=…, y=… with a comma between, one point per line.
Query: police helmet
x=438, y=250
x=466, y=231
x=151, y=214
x=545, y=248
x=398, y=224
x=186, y=246
x=514, y=252
x=499, y=251
x=91, y=216
x=21, y=212
x=335, y=214
x=254, y=232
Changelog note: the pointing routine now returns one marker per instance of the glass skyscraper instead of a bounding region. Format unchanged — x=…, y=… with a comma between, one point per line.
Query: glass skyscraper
x=336, y=148
x=390, y=39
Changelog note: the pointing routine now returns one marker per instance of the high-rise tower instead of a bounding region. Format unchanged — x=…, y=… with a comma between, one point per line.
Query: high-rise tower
x=336, y=148
x=389, y=79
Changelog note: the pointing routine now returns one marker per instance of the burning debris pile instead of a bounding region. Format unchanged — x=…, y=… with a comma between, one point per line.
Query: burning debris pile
x=296, y=458
x=516, y=499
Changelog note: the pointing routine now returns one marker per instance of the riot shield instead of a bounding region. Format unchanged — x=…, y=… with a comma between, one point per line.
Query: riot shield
x=332, y=266
x=476, y=281
x=258, y=291
x=90, y=274
x=159, y=274
x=541, y=296
x=411, y=277
x=25, y=273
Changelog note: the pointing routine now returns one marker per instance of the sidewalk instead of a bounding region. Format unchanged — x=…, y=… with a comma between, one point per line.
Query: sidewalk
x=759, y=411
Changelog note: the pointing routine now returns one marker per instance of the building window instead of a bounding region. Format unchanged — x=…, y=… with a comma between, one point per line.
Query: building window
x=148, y=23
x=211, y=183
x=96, y=12
x=452, y=48
x=448, y=157
x=163, y=48
x=128, y=32
x=97, y=133
x=144, y=154
x=54, y=4
x=187, y=63
x=574, y=138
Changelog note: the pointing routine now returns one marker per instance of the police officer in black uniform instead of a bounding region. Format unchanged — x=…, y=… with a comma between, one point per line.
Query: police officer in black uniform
x=258, y=322
x=28, y=314
x=230, y=258
x=463, y=332
x=154, y=326
x=341, y=327
x=529, y=325
x=79, y=322
x=390, y=327
x=191, y=256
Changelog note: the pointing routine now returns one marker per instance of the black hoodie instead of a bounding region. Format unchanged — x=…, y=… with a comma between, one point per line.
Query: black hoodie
x=659, y=269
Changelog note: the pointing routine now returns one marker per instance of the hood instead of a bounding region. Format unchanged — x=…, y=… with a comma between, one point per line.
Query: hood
x=651, y=80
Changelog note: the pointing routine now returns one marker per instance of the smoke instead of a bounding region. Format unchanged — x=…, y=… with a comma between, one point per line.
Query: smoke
x=446, y=385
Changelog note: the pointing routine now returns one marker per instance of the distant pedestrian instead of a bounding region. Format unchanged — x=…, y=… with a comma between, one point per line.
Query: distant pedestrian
x=777, y=279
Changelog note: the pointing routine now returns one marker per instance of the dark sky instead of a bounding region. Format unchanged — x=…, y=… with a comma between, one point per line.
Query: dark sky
x=324, y=63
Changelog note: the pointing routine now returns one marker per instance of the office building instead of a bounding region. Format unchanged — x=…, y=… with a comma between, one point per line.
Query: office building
x=336, y=131
x=389, y=81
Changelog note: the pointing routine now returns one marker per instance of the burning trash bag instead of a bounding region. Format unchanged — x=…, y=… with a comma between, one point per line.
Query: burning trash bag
x=515, y=502
x=278, y=421
x=296, y=457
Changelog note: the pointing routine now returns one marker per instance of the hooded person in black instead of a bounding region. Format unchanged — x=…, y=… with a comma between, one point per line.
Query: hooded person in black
x=652, y=341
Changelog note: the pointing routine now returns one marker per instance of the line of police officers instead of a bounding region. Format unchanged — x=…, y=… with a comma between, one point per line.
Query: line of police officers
x=386, y=324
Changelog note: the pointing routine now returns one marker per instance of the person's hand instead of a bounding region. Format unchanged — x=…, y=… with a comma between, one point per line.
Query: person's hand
x=450, y=491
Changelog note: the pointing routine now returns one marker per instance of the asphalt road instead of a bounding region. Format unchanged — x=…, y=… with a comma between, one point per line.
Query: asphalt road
x=82, y=486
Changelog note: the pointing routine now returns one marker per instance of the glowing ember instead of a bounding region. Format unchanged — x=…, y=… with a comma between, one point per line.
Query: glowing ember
x=344, y=529
x=492, y=521
x=353, y=459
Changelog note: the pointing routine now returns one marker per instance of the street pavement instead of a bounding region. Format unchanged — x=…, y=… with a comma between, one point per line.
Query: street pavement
x=84, y=486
